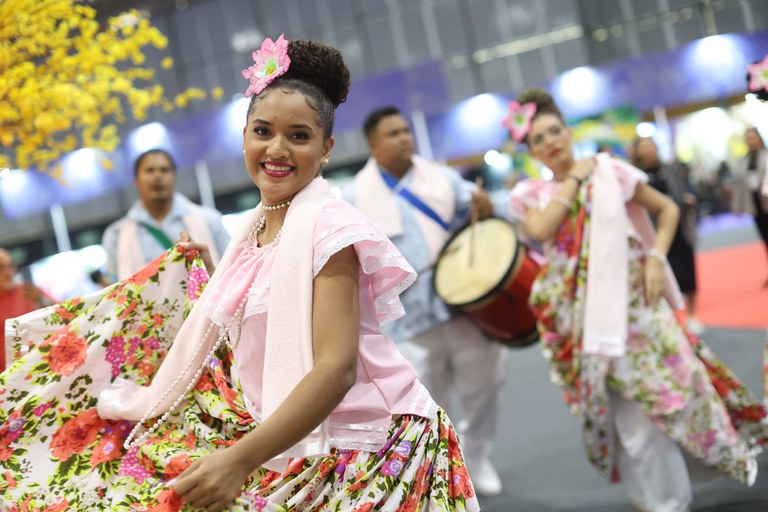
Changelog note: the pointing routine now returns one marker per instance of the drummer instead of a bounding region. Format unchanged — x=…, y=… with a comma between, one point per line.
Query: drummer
x=418, y=204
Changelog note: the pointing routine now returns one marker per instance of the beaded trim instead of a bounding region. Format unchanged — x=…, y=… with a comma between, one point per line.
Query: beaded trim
x=224, y=337
x=257, y=229
x=653, y=253
x=272, y=207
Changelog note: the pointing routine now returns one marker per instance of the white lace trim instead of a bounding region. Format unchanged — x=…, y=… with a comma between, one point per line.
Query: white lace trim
x=357, y=426
x=347, y=444
x=388, y=305
x=336, y=227
x=256, y=308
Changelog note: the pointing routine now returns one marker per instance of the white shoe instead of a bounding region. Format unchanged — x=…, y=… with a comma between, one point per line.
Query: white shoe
x=485, y=479
x=695, y=327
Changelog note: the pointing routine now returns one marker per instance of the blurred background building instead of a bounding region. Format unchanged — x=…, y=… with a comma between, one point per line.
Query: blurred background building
x=673, y=69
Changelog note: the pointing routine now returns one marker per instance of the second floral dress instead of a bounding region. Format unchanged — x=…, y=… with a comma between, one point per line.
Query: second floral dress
x=679, y=384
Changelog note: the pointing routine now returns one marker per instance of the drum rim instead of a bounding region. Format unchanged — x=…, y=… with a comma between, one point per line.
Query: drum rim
x=502, y=282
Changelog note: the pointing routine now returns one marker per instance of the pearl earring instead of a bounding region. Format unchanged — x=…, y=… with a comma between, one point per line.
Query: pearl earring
x=325, y=161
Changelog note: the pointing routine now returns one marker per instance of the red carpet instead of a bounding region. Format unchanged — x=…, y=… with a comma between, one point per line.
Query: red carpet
x=731, y=292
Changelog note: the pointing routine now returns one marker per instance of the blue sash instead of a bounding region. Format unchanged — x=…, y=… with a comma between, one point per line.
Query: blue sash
x=417, y=203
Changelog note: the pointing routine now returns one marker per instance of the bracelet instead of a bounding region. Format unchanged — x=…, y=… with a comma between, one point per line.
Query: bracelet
x=653, y=253
x=574, y=177
x=563, y=201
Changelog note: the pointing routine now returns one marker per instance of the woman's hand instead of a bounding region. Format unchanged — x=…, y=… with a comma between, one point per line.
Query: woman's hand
x=583, y=168
x=212, y=482
x=186, y=244
x=655, y=281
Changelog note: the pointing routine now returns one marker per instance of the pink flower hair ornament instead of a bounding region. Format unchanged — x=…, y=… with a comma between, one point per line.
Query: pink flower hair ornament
x=269, y=62
x=518, y=121
x=757, y=76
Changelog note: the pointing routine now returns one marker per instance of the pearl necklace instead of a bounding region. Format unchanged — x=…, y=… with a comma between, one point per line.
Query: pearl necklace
x=271, y=207
x=224, y=337
x=259, y=228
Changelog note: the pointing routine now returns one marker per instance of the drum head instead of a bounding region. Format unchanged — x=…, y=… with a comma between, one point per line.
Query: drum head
x=476, y=261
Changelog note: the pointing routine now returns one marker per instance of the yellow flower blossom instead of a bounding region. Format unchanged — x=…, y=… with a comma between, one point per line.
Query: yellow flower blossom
x=106, y=164
x=67, y=79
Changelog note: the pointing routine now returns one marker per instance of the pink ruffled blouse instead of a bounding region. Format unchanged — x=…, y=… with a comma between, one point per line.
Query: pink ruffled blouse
x=386, y=382
x=538, y=193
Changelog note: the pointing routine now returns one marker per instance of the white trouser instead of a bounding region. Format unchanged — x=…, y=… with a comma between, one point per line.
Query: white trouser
x=455, y=355
x=651, y=466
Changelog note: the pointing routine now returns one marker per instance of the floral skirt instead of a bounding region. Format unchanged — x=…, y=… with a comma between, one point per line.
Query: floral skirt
x=57, y=454
x=678, y=382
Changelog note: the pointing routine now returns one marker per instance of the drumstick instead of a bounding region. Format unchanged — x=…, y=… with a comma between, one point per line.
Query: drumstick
x=473, y=220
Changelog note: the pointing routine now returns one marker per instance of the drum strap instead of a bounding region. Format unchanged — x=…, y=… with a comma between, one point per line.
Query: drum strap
x=417, y=203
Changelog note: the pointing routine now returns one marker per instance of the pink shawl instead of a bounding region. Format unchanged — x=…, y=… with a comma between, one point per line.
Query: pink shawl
x=130, y=257
x=379, y=203
x=606, y=314
x=288, y=351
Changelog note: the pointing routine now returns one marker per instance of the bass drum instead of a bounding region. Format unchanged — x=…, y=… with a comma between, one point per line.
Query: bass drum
x=486, y=274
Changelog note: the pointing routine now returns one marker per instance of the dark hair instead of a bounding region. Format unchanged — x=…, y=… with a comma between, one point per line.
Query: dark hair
x=137, y=162
x=635, y=144
x=96, y=276
x=544, y=102
x=319, y=73
x=375, y=117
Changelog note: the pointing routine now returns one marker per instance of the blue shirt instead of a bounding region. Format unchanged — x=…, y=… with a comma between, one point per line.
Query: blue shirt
x=423, y=308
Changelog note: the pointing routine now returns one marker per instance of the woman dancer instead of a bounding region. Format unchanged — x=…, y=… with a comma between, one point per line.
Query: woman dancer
x=279, y=391
x=652, y=398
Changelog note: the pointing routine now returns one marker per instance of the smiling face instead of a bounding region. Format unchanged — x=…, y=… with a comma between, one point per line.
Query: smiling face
x=284, y=144
x=550, y=142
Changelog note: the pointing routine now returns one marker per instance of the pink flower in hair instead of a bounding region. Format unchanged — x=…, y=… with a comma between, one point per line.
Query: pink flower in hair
x=518, y=121
x=758, y=75
x=270, y=61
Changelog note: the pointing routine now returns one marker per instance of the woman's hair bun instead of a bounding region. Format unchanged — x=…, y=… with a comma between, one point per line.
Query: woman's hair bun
x=542, y=99
x=321, y=65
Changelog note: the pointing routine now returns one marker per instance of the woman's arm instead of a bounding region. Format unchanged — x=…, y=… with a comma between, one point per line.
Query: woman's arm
x=667, y=217
x=541, y=225
x=213, y=481
x=664, y=209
